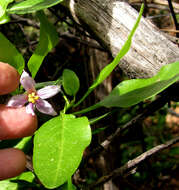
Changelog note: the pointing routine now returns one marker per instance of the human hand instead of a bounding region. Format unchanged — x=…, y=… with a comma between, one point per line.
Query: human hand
x=14, y=123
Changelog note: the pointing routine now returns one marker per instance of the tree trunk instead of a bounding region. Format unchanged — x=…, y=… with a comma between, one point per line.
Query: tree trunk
x=110, y=22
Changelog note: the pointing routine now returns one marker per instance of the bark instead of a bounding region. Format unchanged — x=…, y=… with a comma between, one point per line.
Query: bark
x=110, y=22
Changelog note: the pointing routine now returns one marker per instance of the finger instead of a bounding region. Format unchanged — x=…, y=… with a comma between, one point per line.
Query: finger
x=16, y=123
x=12, y=163
x=9, y=78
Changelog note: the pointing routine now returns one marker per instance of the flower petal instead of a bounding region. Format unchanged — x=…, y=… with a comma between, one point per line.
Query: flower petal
x=30, y=109
x=17, y=101
x=44, y=107
x=48, y=91
x=27, y=82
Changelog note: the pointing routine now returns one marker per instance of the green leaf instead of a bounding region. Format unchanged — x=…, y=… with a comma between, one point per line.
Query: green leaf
x=22, y=182
x=58, y=148
x=24, y=144
x=8, y=185
x=96, y=119
x=25, y=176
x=3, y=6
x=43, y=84
x=131, y=92
x=109, y=68
x=174, y=151
x=28, y=6
x=48, y=40
x=10, y=55
x=65, y=187
x=4, y=19
x=70, y=82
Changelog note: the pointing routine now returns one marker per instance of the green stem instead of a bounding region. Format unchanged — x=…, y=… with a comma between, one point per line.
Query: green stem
x=67, y=104
x=43, y=84
x=94, y=120
x=69, y=184
x=87, y=109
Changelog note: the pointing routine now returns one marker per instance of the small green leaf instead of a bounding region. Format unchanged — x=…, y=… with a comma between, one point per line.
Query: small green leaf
x=58, y=148
x=3, y=6
x=24, y=144
x=43, y=84
x=22, y=182
x=70, y=82
x=8, y=185
x=4, y=19
x=28, y=6
x=105, y=72
x=25, y=176
x=48, y=40
x=10, y=55
x=131, y=92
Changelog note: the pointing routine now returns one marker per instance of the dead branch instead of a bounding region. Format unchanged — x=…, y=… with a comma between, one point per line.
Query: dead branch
x=130, y=165
x=110, y=21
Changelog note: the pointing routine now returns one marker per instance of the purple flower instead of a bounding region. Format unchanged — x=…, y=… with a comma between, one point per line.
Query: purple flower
x=34, y=98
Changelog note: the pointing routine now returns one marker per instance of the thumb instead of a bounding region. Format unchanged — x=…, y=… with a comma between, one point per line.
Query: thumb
x=16, y=123
x=9, y=78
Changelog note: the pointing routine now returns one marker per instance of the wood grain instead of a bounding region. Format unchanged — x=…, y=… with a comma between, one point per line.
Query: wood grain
x=110, y=21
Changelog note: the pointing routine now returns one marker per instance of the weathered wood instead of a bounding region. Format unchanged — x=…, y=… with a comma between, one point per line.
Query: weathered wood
x=110, y=21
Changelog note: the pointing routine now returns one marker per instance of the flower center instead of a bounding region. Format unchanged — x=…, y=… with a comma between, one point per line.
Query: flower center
x=32, y=97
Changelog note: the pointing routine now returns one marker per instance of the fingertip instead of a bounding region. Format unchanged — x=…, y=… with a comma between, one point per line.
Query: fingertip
x=16, y=123
x=12, y=163
x=9, y=78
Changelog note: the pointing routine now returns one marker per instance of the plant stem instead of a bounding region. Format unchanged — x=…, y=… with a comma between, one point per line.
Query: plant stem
x=69, y=184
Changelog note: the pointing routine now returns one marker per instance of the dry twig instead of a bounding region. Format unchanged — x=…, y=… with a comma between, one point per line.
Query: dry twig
x=131, y=164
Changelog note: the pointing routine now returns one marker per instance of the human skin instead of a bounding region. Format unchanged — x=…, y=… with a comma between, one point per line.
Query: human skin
x=14, y=123
x=9, y=78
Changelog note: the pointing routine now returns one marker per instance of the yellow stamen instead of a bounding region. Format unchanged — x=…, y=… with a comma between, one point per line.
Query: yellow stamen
x=32, y=97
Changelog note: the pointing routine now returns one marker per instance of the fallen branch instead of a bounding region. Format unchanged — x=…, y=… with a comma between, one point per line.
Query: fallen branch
x=130, y=165
x=110, y=21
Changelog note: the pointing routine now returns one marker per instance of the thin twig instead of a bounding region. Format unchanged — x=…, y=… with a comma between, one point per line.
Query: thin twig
x=156, y=6
x=173, y=15
x=145, y=8
x=160, y=3
x=26, y=37
x=27, y=21
x=130, y=165
x=74, y=25
x=160, y=15
x=172, y=38
x=90, y=44
x=169, y=30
